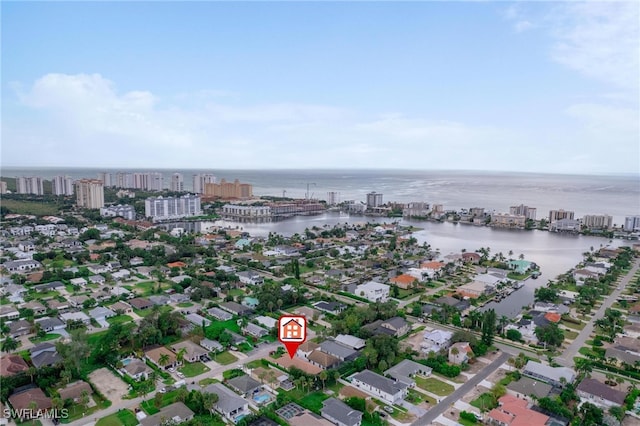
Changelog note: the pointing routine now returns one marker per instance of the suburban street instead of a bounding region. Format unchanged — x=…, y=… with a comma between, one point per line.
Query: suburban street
x=571, y=351
x=447, y=402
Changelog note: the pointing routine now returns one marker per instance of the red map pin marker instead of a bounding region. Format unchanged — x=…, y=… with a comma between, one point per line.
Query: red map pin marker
x=292, y=332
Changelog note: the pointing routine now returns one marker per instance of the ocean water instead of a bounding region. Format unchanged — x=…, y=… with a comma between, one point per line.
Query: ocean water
x=618, y=196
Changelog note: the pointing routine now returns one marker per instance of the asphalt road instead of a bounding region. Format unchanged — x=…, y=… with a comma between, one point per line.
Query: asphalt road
x=572, y=350
x=447, y=402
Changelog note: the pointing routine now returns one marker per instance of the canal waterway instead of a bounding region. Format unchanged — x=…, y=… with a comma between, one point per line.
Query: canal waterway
x=554, y=253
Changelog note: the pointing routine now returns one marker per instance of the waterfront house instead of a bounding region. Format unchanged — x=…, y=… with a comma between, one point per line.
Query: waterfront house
x=390, y=391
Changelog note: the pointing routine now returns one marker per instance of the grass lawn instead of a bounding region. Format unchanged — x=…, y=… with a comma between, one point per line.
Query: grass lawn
x=571, y=335
x=415, y=397
x=572, y=325
x=185, y=305
x=434, y=386
x=48, y=336
x=119, y=319
x=225, y=358
x=193, y=369
x=484, y=402
x=218, y=326
x=463, y=422
x=208, y=381
x=121, y=418
x=36, y=295
x=313, y=401
x=167, y=398
x=460, y=379
x=76, y=411
x=38, y=208
x=235, y=292
x=146, y=288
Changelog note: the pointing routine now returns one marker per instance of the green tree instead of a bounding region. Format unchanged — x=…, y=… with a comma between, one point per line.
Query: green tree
x=550, y=334
x=591, y=415
x=514, y=335
x=488, y=327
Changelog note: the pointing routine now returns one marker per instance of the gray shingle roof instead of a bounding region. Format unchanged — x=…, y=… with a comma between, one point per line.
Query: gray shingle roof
x=338, y=350
x=227, y=400
x=244, y=384
x=380, y=382
x=333, y=408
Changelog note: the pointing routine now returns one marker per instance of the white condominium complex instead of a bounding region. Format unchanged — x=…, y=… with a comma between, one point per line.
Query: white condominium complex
x=200, y=180
x=144, y=181
x=62, y=185
x=374, y=199
x=107, y=179
x=163, y=208
x=29, y=185
x=559, y=215
x=90, y=193
x=597, y=221
x=177, y=182
x=522, y=210
x=632, y=223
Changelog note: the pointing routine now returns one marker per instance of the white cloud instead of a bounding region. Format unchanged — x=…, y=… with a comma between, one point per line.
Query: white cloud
x=83, y=120
x=514, y=14
x=599, y=39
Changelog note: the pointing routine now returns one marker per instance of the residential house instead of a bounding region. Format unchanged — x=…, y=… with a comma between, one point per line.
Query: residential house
x=529, y=388
x=26, y=245
x=121, y=308
x=140, y=303
x=154, y=355
x=77, y=301
x=342, y=352
x=177, y=413
x=350, y=341
x=12, y=364
x=307, y=418
x=406, y=370
x=159, y=299
x=19, y=328
x=373, y=291
x=52, y=286
x=44, y=355
x=267, y=322
x=219, y=314
x=403, y=281
x=97, y=279
x=398, y=325
x=21, y=265
x=236, y=308
x=339, y=413
x=597, y=393
x=9, y=312
x=211, y=345
x=197, y=320
x=192, y=351
x=254, y=330
x=29, y=401
x=100, y=314
x=460, y=353
x=436, y=340
x=390, y=391
x=38, y=308
x=581, y=275
x=305, y=349
x=229, y=405
x=475, y=289
x=74, y=390
x=473, y=258
x=333, y=308
x=512, y=411
x=250, y=278
x=75, y=316
x=245, y=385
x=121, y=291
x=323, y=360
x=51, y=324
x=136, y=369
x=554, y=376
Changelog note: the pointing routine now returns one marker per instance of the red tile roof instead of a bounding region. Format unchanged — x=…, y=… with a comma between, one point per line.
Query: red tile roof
x=176, y=265
x=514, y=412
x=12, y=364
x=552, y=316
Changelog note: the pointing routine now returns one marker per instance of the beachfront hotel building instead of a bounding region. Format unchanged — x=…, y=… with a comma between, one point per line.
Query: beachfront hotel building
x=90, y=193
x=225, y=189
x=62, y=185
x=555, y=215
x=522, y=210
x=374, y=199
x=200, y=180
x=416, y=209
x=597, y=221
x=505, y=220
x=632, y=223
x=333, y=198
x=177, y=182
x=165, y=208
x=29, y=185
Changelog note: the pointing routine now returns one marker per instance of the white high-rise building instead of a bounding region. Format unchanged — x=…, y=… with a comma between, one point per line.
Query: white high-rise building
x=90, y=193
x=163, y=208
x=29, y=185
x=333, y=198
x=177, y=182
x=522, y=210
x=374, y=199
x=632, y=223
x=200, y=180
x=560, y=214
x=597, y=221
x=107, y=179
x=62, y=185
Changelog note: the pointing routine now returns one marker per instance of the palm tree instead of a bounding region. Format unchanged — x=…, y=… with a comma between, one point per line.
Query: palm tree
x=180, y=355
x=323, y=377
x=503, y=322
x=163, y=360
x=32, y=372
x=209, y=401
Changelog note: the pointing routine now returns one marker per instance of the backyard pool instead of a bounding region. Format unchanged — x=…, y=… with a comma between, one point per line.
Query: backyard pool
x=125, y=361
x=261, y=398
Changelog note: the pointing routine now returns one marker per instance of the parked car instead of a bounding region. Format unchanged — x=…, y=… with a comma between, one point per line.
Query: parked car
x=388, y=409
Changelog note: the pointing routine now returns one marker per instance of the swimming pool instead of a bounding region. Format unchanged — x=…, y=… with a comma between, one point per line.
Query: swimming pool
x=261, y=398
x=125, y=361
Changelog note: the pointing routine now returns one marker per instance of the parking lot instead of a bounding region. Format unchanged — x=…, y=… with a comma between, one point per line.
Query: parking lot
x=109, y=385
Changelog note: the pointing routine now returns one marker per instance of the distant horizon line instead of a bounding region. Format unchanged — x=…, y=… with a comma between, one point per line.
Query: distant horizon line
x=337, y=169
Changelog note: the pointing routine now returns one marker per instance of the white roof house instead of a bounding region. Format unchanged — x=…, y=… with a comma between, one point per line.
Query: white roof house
x=373, y=291
x=548, y=374
x=351, y=341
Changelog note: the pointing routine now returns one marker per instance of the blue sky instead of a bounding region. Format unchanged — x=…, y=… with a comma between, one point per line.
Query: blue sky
x=423, y=85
